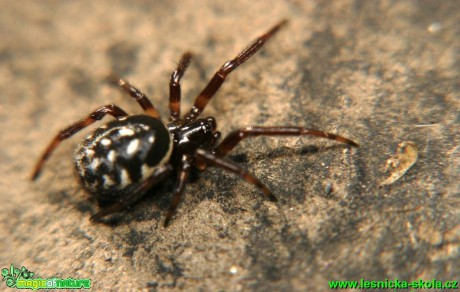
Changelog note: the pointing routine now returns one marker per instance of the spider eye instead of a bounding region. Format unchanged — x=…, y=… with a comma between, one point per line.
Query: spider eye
x=212, y=123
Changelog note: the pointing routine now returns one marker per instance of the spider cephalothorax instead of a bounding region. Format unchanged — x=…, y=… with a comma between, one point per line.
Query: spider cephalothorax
x=120, y=161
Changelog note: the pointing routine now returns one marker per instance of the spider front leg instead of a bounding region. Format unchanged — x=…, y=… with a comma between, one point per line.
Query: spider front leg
x=205, y=158
x=219, y=77
x=237, y=136
x=138, y=95
x=179, y=188
x=134, y=195
x=174, y=87
x=97, y=115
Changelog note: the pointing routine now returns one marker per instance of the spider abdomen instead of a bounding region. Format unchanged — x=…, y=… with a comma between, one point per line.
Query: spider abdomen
x=112, y=160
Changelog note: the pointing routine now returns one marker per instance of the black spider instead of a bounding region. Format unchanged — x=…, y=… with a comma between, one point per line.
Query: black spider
x=120, y=161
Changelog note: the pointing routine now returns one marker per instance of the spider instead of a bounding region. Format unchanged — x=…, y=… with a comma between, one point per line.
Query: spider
x=120, y=161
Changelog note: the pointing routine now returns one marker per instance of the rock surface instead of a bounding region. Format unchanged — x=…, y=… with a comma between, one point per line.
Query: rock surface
x=379, y=73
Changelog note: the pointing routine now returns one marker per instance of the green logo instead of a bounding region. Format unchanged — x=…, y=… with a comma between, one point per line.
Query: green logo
x=13, y=274
x=23, y=279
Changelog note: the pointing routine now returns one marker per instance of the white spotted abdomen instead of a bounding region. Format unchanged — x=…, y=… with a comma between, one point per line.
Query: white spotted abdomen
x=112, y=160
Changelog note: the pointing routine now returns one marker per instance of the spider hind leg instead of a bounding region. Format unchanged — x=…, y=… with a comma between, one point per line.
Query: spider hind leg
x=206, y=158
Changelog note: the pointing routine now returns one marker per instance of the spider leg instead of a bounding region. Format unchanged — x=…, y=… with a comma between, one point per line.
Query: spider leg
x=236, y=136
x=179, y=188
x=97, y=115
x=157, y=176
x=135, y=93
x=219, y=77
x=204, y=157
x=174, y=87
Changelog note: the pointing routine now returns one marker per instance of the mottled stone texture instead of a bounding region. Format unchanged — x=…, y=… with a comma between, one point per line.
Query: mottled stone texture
x=379, y=73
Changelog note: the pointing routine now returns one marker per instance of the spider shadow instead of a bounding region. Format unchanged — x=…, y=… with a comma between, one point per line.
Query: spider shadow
x=289, y=152
x=291, y=163
x=225, y=195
